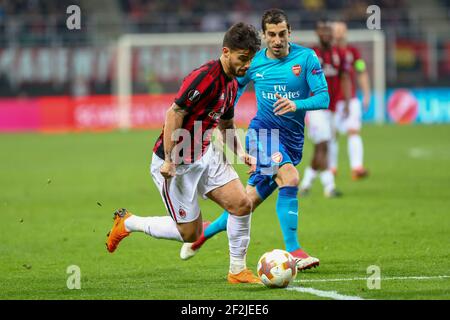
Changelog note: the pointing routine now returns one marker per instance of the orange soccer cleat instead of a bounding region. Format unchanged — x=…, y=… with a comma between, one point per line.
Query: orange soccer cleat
x=118, y=231
x=245, y=276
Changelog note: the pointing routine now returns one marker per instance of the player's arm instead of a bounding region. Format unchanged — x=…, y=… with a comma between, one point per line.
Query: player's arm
x=229, y=136
x=174, y=121
x=363, y=81
x=318, y=86
x=194, y=88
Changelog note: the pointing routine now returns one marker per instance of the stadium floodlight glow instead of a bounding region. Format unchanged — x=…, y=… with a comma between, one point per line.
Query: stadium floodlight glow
x=370, y=42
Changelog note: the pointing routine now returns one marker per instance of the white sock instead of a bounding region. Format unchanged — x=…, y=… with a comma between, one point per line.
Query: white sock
x=238, y=230
x=327, y=179
x=157, y=227
x=355, y=151
x=333, y=150
x=308, y=178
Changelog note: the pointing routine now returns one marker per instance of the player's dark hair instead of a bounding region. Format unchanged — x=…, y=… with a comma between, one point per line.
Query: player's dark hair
x=242, y=36
x=274, y=16
x=324, y=19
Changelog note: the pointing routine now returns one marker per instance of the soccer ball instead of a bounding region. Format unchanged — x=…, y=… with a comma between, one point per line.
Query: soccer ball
x=277, y=268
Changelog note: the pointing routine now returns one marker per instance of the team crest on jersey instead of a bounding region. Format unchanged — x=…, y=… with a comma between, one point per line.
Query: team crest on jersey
x=297, y=69
x=277, y=157
x=193, y=95
x=182, y=212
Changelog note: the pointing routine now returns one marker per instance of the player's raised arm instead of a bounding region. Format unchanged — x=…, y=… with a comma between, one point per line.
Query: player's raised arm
x=174, y=121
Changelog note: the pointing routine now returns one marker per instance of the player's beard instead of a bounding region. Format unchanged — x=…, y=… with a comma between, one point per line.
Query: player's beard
x=238, y=71
x=279, y=50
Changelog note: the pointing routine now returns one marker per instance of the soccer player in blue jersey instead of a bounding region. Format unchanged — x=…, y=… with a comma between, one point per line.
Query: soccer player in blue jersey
x=288, y=81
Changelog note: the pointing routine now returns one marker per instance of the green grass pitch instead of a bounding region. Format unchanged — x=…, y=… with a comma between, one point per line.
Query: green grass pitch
x=58, y=193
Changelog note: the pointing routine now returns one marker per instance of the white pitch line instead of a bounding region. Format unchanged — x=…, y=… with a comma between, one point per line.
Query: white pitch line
x=325, y=294
x=365, y=279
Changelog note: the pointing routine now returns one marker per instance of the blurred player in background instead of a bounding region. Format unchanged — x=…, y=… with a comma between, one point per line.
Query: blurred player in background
x=204, y=101
x=348, y=120
x=320, y=125
x=284, y=75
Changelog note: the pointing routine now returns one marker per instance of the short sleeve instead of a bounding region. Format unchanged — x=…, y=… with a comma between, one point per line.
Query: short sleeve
x=194, y=87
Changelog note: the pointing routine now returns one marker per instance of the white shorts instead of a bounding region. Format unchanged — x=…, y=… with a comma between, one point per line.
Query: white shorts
x=319, y=125
x=353, y=121
x=180, y=193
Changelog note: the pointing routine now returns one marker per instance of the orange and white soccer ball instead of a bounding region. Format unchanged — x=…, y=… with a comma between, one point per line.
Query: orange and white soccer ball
x=277, y=268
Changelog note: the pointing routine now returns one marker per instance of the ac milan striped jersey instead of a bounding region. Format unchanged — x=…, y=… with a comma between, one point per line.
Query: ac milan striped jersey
x=207, y=94
x=333, y=65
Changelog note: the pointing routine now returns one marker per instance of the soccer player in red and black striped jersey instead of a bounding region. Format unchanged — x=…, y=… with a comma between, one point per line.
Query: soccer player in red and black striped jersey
x=349, y=121
x=185, y=165
x=320, y=128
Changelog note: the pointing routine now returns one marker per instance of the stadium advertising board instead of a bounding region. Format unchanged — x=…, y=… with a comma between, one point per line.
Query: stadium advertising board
x=98, y=113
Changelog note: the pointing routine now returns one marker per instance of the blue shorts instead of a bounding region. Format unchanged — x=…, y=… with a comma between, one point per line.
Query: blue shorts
x=270, y=153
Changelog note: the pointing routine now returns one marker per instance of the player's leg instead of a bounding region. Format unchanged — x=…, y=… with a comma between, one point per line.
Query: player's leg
x=320, y=132
x=287, y=209
x=259, y=188
x=333, y=146
x=287, y=179
x=316, y=123
x=163, y=227
x=184, y=222
x=333, y=150
x=355, y=142
x=233, y=198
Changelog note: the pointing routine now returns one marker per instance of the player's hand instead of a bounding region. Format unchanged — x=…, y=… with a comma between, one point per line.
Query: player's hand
x=283, y=105
x=168, y=170
x=250, y=161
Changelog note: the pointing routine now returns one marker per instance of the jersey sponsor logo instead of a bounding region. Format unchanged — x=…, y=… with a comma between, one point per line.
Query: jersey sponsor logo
x=259, y=75
x=317, y=71
x=297, y=69
x=193, y=95
x=288, y=95
x=277, y=157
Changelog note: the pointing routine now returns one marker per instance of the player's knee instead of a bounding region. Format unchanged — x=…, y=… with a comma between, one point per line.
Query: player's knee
x=290, y=181
x=241, y=207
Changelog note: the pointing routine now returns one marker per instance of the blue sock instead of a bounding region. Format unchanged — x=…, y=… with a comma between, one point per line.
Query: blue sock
x=287, y=211
x=218, y=225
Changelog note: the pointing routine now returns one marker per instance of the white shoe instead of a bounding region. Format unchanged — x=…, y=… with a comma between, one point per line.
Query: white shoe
x=307, y=263
x=186, y=251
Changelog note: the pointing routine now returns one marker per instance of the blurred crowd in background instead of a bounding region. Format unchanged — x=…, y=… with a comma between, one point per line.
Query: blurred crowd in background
x=417, y=38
